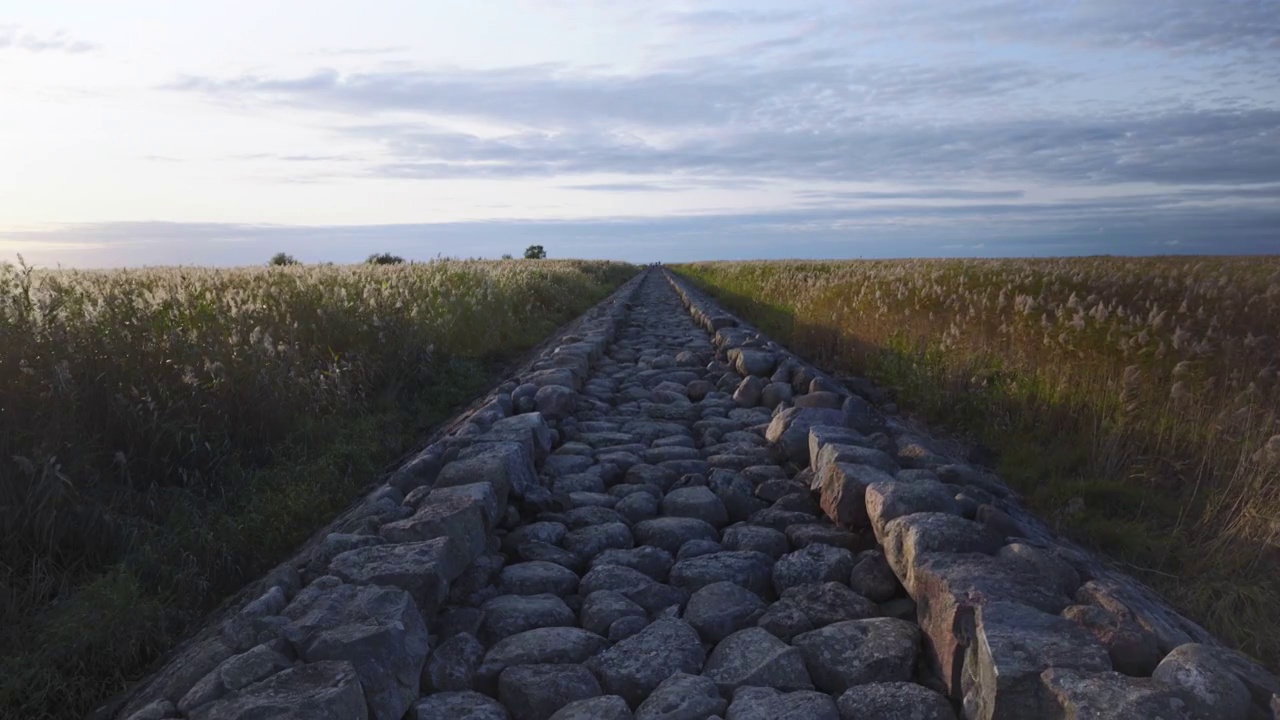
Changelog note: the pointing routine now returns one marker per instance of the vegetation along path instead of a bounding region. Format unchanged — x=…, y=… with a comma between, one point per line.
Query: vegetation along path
x=667, y=515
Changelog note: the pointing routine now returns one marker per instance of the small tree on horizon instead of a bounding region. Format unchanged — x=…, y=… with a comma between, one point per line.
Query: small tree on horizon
x=384, y=259
x=535, y=252
x=506, y=256
x=281, y=258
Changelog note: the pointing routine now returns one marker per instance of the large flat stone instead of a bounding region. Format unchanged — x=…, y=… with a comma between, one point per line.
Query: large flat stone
x=842, y=490
x=789, y=430
x=318, y=691
x=1112, y=696
x=459, y=519
x=424, y=569
x=506, y=465
x=948, y=588
x=1013, y=644
x=911, y=536
x=378, y=630
x=888, y=501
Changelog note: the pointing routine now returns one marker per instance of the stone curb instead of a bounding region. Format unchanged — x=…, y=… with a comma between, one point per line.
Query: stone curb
x=1017, y=623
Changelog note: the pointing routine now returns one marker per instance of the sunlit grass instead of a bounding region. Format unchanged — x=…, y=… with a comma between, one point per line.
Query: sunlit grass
x=1146, y=387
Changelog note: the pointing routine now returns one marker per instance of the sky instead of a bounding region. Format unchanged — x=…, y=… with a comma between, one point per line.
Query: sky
x=153, y=132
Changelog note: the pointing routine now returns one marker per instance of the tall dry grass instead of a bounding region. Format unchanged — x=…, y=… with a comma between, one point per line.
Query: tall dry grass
x=166, y=434
x=1148, y=388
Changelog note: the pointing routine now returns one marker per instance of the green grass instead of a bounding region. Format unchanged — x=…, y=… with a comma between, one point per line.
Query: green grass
x=100, y=637
x=168, y=435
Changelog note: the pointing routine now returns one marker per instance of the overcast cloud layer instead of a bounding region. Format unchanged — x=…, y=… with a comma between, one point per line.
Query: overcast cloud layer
x=680, y=131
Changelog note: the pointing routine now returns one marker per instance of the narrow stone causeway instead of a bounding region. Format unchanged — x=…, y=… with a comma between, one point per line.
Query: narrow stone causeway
x=667, y=516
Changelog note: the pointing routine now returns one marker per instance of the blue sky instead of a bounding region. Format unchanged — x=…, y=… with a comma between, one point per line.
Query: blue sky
x=148, y=132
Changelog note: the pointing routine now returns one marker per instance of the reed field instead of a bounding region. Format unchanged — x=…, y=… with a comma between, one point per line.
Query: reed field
x=167, y=435
x=1133, y=401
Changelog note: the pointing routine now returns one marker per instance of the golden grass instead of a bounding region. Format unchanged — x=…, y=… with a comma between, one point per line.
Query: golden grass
x=1146, y=387
x=168, y=434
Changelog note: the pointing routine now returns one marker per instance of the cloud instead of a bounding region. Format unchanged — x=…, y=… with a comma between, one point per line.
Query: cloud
x=626, y=187
x=1139, y=224
x=14, y=37
x=834, y=119
x=1190, y=26
x=361, y=51
x=719, y=19
x=1188, y=147
x=801, y=98
x=936, y=194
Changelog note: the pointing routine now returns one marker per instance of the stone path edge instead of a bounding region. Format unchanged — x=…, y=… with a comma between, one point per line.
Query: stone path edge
x=604, y=314
x=1193, y=656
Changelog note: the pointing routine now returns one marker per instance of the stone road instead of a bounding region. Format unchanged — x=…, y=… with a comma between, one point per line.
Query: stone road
x=667, y=516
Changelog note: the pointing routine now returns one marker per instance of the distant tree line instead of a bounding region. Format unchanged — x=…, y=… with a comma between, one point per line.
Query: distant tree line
x=533, y=252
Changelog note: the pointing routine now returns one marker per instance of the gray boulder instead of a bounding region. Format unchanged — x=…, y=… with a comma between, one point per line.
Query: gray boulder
x=589, y=542
x=605, y=707
x=636, y=666
x=812, y=564
x=506, y=465
x=669, y=533
x=762, y=703
x=552, y=645
x=537, y=578
x=237, y=672
x=789, y=430
x=872, y=577
x=452, y=665
x=534, y=551
x=696, y=502
x=814, y=605
x=697, y=548
x=683, y=697
x=855, y=652
x=623, y=628
x=749, y=569
x=548, y=532
x=378, y=630
x=507, y=615
x=755, y=657
x=720, y=609
x=467, y=705
x=601, y=609
x=748, y=392
x=323, y=690
x=638, y=507
x=894, y=701
x=755, y=537
x=536, y=692
x=652, y=561
x=1196, y=670
x=1012, y=645
x=1077, y=694
x=424, y=569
